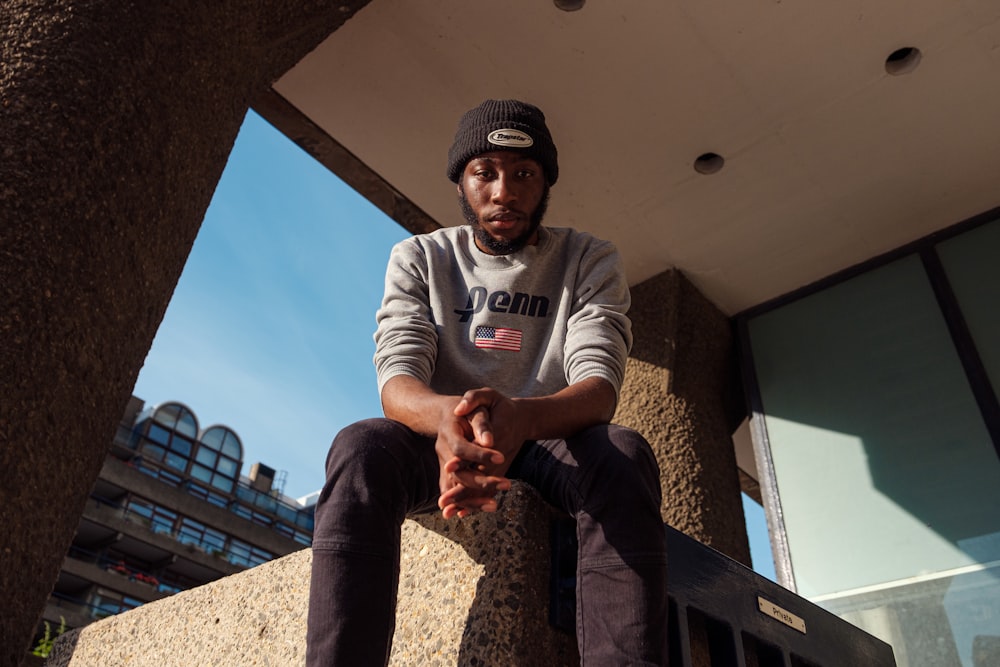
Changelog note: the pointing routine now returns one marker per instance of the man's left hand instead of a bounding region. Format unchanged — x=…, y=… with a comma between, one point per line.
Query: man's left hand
x=494, y=421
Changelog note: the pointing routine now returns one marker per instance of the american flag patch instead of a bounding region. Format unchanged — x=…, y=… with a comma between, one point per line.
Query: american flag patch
x=498, y=338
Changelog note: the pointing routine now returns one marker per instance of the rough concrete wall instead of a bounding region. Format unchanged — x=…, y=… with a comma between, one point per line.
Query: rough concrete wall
x=476, y=591
x=118, y=117
x=471, y=592
x=681, y=392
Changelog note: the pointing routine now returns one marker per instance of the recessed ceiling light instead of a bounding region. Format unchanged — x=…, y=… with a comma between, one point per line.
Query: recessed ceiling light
x=569, y=5
x=708, y=163
x=903, y=61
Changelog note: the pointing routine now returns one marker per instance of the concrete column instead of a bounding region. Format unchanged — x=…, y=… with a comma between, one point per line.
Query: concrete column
x=117, y=119
x=682, y=392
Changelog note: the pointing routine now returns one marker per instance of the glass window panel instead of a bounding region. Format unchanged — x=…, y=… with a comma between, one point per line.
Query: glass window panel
x=239, y=553
x=193, y=525
x=258, y=556
x=934, y=621
x=187, y=534
x=162, y=511
x=175, y=461
x=158, y=434
x=167, y=414
x=181, y=445
x=169, y=478
x=101, y=607
x=231, y=446
x=206, y=457
x=239, y=548
x=213, y=437
x=162, y=525
x=197, y=490
x=141, y=508
x=874, y=434
x=186, y=537
x=134, y=437
x=227, y=467
x=888, y=480
x=970, y=261
x=201, y=472
x=287, y=513
x=266, y=503
x=187, y=425
x=214, y=540
x=222, y=483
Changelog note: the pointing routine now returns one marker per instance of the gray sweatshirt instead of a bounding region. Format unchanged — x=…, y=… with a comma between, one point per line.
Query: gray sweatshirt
x=526, y=324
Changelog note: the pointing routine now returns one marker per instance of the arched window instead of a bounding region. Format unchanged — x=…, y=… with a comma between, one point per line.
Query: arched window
x=177, y=417
x=219, y=458
x=170, y=435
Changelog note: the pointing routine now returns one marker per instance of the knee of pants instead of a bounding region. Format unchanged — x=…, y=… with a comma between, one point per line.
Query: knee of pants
x=369, y=476
x=622, y=463
x=370, y=452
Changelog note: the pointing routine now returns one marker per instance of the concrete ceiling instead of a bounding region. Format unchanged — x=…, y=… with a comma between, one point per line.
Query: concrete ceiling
x=829, y=160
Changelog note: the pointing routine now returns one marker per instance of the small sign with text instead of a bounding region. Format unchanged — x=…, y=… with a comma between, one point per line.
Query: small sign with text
x=768, y=608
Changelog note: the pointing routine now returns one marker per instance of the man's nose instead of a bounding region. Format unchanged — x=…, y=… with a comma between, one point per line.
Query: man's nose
x=503, y=192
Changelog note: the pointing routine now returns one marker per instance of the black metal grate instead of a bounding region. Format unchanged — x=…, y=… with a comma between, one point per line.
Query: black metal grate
x=723, y=614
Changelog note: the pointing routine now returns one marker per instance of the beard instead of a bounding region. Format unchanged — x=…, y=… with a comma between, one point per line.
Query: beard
x=503, y=246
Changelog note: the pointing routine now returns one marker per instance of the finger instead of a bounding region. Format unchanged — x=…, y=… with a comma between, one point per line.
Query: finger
x=473, y=399
x=456, y=465
x=460, y=494
x=457, y=495
x=480, y=483
x=476, y=454
x=482, y=428
x=473, y=474
x=468, y=508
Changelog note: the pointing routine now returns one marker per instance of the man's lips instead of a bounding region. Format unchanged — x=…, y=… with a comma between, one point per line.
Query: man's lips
x=505, y=220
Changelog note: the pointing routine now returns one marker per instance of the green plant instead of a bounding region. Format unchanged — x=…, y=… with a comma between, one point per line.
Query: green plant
x=45, y=643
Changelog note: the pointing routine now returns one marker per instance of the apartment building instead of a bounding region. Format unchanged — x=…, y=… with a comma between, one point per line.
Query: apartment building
x=172, y=509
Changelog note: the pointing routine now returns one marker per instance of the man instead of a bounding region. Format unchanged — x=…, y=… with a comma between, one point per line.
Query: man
x=500, y=351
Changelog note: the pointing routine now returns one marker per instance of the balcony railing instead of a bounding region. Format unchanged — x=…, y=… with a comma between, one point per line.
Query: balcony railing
x=123, y=568
x=159, y=527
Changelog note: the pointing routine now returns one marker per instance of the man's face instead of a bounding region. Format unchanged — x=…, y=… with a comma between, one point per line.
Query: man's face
x=503, y=195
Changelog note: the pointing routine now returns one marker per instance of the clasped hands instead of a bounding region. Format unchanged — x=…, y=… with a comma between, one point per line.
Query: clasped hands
x=476, y=443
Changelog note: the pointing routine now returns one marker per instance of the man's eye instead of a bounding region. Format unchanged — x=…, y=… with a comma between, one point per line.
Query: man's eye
x=525, y=173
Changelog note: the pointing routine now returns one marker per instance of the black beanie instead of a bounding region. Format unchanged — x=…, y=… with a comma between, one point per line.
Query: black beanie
x=503, y=125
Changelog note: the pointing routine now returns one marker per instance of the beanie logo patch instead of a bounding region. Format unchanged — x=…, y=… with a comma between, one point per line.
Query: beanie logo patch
x=509, y=137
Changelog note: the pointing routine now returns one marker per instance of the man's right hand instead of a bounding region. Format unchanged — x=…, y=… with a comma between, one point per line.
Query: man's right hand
x=472, y=464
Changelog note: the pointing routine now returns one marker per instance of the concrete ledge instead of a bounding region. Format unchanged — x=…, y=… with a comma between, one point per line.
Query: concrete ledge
x=472, y=592
x=256, y=617
x=476, y=591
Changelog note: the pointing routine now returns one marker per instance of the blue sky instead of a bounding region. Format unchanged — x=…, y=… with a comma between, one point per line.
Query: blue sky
x=269, y=330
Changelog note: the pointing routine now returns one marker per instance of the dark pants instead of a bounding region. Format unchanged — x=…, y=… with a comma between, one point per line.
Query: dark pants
x=378, y=471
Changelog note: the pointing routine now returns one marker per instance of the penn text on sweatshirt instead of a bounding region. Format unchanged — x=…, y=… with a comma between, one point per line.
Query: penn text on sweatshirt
x=526, y=324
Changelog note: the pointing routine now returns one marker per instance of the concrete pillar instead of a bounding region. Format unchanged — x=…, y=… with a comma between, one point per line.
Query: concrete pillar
x=117, y=120
x=682, y=392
